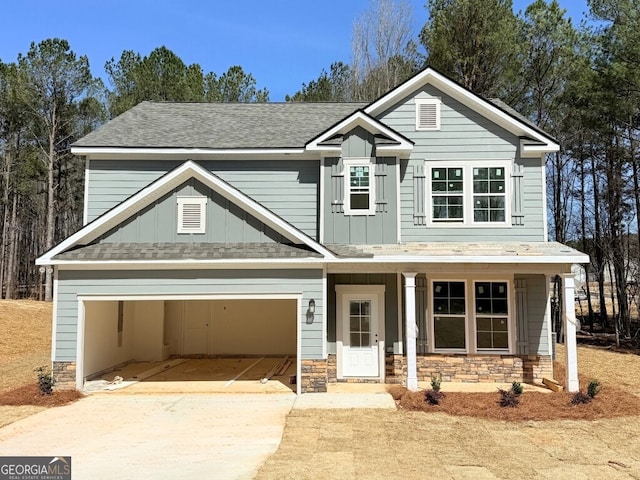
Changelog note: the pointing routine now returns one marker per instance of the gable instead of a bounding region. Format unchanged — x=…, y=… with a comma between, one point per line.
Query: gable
x=158, y=189
x=223, y=220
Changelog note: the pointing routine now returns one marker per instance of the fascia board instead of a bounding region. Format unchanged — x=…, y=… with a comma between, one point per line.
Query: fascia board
x=95, y=151
x=360, y=119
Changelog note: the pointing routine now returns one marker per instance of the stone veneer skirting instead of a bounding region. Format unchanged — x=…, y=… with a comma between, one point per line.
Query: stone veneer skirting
x=64, y=375
x=316, y=374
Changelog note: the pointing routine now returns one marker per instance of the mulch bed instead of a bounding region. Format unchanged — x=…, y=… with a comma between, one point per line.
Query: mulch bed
x=30, y=395
x=610, y=402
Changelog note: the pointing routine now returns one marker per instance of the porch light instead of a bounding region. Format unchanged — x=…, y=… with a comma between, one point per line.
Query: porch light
x=311, y=311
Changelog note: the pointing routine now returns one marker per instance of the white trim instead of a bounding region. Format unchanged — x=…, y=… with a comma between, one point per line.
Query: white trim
x=54, y=319
x=80, y=346
x=547, y=314
x=419, y=102
x=365, y=162
x=372, y=125
x=412, y=329
x=201, y=203
x=468, y=195
x=398, y=204
x=345, y=291
x=570, y=328
x=299, y=346
x=94, y=152
x=325, y=307
x=85, y=201
x=156, y=190
x=471, y=100
x=545, y=214
x=399, y=307
x=321, y=213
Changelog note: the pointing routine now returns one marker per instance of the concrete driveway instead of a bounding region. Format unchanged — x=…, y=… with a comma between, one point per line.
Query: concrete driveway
x=167, y=436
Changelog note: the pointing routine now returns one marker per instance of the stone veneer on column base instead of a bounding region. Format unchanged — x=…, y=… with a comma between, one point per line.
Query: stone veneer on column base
x=64, y=375
x=313, y=377
x=475, y=368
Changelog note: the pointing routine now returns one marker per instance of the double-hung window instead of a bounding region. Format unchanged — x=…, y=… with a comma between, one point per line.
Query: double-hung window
x=470, y=316
x=489, y=194
x=359, y=187
x=468, y=194
x=492, y=315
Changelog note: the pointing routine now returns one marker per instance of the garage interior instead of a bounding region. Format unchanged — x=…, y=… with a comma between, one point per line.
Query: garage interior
x=229, y=345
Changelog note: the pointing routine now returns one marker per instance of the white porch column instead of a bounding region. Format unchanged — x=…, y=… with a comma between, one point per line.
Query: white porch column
x=570, y=326
x=410, y=318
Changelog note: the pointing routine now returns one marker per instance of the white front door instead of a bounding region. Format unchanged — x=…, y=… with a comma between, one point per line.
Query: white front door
x=360, y=346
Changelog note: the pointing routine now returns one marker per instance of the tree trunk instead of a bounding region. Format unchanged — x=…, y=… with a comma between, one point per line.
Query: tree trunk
x=50, y=228
x=13, y=250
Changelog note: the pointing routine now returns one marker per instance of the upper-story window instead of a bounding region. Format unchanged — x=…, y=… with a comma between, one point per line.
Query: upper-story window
x=428, y=114
x=468, y=194
x=359, y=188
x=192, y=214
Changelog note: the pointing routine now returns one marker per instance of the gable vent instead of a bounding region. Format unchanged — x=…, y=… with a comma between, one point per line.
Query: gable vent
x=428, y=114
x=191, y=214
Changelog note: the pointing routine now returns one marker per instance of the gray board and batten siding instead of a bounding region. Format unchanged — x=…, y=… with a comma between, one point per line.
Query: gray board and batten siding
x=225, y=222
x=289, y=189
x=464, y=135
x=360, y=229
x=157, y=283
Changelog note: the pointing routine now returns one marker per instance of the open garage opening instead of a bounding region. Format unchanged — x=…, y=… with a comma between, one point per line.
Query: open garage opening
x=223, y=344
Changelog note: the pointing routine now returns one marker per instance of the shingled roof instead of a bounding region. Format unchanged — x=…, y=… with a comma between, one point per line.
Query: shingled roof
x=218, y=125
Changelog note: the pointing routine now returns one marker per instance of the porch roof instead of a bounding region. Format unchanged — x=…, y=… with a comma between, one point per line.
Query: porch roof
x=184, y=251
x=463, y=252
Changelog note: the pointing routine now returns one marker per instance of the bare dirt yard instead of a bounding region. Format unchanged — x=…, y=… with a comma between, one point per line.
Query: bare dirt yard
x=478, y=439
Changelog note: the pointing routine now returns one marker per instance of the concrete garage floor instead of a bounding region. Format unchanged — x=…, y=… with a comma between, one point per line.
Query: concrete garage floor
x=156, y=436
x=201, y=375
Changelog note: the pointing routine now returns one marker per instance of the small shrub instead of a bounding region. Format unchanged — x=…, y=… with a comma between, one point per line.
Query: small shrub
x=45, y=380
x=436, y=380
x=579, y=398
x=433, y=397
x=517, y=388
x=594, y=388
x=508, y=398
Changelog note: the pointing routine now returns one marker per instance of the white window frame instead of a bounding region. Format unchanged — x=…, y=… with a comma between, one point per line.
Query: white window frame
x=201, y=202
x=359, y=162
x=471, y=330
x=467, y=167
x=428, y=101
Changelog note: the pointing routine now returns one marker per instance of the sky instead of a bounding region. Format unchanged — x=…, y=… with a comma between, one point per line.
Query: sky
x=283, y=43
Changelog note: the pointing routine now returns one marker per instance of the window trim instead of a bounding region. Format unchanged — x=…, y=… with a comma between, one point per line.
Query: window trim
x=193, y=200
x=467, y=167
x=471, y=330
x=359, y=162
x=428, y=101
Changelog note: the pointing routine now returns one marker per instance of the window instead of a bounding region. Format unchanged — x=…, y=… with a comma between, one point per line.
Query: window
x=468, y=194
x=447, y=194
x=359, y=189
x=428, y=114
x=474, y=322
x=492, y=315
x=449, y=318
x=191, y=214
x=360, y=323
x=488, y=194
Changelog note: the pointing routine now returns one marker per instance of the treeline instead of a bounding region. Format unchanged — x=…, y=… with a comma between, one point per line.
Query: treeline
x=580, y=81
x=49, y=99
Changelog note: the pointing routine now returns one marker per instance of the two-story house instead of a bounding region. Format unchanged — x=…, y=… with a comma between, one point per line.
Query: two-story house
x=377, y=242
